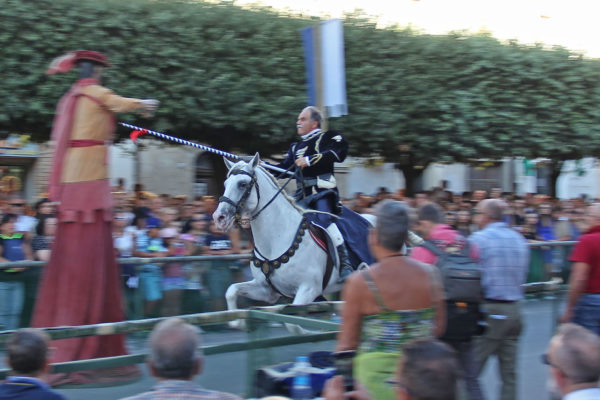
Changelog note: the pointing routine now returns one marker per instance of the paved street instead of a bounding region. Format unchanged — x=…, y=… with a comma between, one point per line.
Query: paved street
x=228, y=371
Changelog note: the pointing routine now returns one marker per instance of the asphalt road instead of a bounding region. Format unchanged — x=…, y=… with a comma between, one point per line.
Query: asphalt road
x=227, y=372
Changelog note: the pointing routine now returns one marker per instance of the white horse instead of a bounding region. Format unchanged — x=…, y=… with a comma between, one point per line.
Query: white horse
x=287, y=260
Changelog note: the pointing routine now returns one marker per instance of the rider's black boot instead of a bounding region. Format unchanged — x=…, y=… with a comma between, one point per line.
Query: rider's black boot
x=345, y=266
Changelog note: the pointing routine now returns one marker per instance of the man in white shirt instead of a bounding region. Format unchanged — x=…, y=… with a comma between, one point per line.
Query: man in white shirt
x=574, y=359
x=24, y=222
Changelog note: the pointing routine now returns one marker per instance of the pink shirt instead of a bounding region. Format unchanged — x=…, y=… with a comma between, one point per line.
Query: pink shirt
x=443, y=236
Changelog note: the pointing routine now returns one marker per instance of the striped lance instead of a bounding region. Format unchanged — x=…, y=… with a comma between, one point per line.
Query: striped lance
x=199, y=146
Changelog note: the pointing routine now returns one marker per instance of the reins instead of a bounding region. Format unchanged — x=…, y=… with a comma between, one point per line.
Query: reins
x=253, y=182
x=253, y=217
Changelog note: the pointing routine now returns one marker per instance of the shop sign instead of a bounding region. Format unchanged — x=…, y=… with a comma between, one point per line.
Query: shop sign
x=16, y=145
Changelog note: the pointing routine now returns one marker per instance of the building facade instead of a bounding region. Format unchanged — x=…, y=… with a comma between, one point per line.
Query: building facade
x=181, y=170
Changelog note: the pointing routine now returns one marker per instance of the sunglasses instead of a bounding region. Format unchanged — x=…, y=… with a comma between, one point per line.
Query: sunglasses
x=546, y=360
x=17, y=204
x=400, y=385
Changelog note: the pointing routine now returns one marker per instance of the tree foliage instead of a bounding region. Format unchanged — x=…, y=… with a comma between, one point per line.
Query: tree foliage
x=224, y=75
x=459, y=98
x=235, y=78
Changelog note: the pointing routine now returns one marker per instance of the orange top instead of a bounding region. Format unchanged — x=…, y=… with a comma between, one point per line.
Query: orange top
x=92, y=121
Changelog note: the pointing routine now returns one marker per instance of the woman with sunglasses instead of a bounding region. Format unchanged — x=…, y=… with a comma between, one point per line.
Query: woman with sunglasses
x=394, y=301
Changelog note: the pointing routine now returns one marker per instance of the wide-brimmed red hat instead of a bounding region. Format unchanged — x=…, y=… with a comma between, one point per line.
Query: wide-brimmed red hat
x=66, y=62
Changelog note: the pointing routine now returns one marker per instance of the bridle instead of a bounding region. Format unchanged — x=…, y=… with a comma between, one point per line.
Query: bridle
x=242, y=201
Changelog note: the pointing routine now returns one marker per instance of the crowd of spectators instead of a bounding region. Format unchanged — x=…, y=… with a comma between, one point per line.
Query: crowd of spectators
x=144, y=225
x=26, y=234
x=497, y=226
x=150, y=225
x=539, y=218
x=161, y=225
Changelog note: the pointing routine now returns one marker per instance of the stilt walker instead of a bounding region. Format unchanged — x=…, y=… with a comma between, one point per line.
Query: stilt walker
x=80, y=285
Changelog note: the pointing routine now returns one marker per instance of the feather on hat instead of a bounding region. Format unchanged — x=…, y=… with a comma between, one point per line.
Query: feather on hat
x=67, y=61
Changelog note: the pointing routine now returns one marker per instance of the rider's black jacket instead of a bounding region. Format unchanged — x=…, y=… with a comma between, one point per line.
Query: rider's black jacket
x=323, y=149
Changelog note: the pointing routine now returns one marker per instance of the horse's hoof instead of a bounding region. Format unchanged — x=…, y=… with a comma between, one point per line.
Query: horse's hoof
x=237, y=324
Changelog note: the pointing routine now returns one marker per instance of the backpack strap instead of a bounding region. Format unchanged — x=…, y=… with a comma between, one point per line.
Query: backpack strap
x=428, y=244
x=374, y=289
x=436, y=280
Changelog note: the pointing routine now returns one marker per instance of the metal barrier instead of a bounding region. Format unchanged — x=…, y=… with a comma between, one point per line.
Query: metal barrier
x=256, y=325
x=216, y=274
x=222, y=267
x=138, y=260
x=230, y=257
x=257, y=319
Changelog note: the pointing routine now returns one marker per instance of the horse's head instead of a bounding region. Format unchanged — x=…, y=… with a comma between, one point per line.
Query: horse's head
x=241, y=194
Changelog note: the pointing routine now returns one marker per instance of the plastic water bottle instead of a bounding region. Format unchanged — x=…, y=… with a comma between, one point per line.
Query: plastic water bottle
x=301, y=388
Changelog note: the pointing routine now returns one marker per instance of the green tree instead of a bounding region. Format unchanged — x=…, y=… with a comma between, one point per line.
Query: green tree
x=459, y=98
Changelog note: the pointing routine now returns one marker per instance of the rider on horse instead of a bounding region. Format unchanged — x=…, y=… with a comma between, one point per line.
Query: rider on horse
x=315, y=155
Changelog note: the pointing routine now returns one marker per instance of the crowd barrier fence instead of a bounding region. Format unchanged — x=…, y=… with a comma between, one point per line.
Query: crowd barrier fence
x=256, y=326
x=544, y=279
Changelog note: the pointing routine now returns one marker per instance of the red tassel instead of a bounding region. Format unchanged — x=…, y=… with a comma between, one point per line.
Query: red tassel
x=135, y=134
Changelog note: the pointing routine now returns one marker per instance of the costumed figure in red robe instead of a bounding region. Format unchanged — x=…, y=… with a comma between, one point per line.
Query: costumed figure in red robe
x=80, y=285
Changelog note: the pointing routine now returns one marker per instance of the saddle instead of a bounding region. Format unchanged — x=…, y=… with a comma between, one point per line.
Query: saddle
x=321, y=237
x=331, y=195
x=355, y=240
x=353, y=226
x=354, y=229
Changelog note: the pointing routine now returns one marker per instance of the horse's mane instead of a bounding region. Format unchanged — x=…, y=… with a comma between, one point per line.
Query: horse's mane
x=289, y=198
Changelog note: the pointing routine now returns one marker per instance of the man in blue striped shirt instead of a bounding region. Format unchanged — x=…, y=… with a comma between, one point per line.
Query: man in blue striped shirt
x=504, y=260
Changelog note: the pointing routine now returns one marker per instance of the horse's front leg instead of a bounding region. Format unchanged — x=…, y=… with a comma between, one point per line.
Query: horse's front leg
x=254, y=290
x=307, y=293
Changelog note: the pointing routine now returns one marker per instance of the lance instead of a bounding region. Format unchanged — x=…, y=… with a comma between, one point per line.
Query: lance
x=139, y=131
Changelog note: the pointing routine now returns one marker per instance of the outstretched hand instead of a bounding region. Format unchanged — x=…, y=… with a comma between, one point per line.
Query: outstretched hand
x=149, y=106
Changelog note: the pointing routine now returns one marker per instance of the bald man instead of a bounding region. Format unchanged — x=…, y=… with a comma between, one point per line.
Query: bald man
x=504, y=261
x=574, y=359
x=583, y=304
x=174, y=361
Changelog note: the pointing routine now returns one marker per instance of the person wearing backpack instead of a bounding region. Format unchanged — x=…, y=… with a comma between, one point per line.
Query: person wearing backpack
x=503, y=255
x=462, y=316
